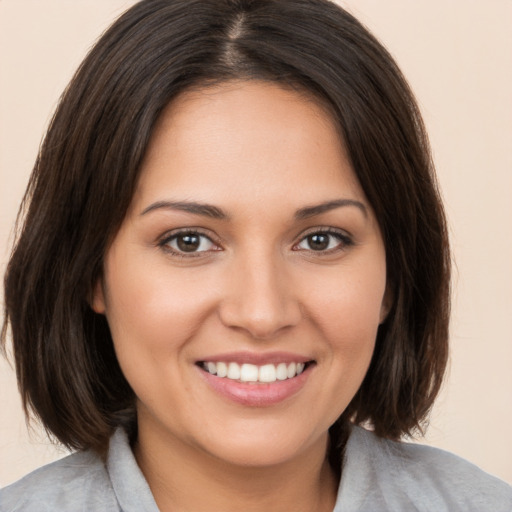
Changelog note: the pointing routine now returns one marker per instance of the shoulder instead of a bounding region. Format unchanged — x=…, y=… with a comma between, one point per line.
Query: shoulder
x=407, y=476
x=77, y=482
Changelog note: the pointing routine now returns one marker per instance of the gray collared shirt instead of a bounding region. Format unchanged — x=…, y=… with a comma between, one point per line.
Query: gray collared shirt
x=378, y=476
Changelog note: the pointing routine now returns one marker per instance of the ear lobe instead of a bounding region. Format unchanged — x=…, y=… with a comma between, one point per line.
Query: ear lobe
x=387, y=303
x=97, y=300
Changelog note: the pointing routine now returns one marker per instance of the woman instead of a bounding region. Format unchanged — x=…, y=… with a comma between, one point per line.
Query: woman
x=233, y=255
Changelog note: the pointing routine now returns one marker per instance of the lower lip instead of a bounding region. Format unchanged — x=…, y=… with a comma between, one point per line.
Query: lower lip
x=256, y=394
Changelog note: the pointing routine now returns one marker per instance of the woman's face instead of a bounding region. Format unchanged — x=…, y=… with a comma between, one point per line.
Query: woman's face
x=249, y=248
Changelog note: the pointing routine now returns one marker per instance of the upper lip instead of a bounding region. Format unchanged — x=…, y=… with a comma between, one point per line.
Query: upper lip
x=256, y=358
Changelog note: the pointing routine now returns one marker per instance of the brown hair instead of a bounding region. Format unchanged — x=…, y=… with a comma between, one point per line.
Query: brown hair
x=87, y=170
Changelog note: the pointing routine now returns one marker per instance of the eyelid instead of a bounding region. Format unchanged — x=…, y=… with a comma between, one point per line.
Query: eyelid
x=168, y=236
x=346, y=239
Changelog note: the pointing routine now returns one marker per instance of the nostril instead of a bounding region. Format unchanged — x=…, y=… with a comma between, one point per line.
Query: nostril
x=258, y=323
x=258, y=298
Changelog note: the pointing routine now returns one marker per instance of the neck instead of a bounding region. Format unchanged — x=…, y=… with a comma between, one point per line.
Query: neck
x=183, y=478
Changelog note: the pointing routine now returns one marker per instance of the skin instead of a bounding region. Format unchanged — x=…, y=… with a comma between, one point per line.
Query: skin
x=260, y=153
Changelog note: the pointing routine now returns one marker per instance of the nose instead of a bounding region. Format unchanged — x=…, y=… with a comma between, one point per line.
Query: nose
x=260, y=298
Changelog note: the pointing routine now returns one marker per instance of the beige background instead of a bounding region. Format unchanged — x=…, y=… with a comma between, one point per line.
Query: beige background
x=457, y=55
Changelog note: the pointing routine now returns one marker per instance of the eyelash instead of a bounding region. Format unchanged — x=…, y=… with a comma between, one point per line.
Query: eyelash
x=342, y=237
x=170, y=237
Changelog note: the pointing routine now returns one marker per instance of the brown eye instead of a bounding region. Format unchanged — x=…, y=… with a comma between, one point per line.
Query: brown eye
x=323, y=241
x=189, y=243
x=318, y=241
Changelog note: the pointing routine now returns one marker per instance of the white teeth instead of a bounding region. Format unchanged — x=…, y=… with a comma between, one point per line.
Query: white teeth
x=292, y=370
x=267, y=373
x=233, y=371
x=222, y=369
x=282, y=371
x=252, y=373
x=248, y=373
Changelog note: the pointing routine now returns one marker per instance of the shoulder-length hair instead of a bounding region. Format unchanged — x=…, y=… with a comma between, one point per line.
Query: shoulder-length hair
x=87, y=170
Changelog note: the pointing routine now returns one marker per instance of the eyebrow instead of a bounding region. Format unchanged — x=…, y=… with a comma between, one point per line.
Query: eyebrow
x=214, y=212
x=311, y=211
x=206, y=210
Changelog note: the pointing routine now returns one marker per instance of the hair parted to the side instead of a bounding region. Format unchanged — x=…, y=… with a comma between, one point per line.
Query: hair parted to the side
x=87, y=170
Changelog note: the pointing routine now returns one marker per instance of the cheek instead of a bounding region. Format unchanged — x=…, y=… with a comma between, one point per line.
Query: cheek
x=348, y=307
x=343, y=311
x=347, y=313
x=151, y=310
x=153, y=313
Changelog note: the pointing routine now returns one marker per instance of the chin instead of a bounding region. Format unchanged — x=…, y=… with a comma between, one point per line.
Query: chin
x=265, y=447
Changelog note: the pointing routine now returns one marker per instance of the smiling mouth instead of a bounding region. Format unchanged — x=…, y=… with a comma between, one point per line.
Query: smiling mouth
x=251, y=373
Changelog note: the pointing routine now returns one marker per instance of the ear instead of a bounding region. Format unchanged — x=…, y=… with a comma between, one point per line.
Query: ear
x=387, y=303
x=97, y=300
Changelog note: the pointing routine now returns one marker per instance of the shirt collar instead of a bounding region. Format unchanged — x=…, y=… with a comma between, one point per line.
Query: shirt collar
x=130, y=487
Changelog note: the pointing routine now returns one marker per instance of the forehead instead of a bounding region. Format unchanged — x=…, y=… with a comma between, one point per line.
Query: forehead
x=252, y=140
